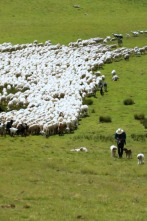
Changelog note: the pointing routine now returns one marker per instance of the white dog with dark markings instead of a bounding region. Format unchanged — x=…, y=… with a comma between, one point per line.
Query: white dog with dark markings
x=140, y=158
x=113, y=149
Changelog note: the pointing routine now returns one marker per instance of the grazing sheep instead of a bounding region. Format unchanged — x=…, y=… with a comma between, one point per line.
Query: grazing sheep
x=140, y=158
x=98, y=73
x=52, y=78
x=76, y=6
x=126, y=57
x=84, y=110
x=135, y=33
x=113, y=72
x=128, y=35
x=142, y=50
x=13, y=131
x=113, y=149
x=115, y=78
x=8, y=126
x=117, y=36
x=34, y=129
x=2, y=129
x=128, y=153
x=61, y=128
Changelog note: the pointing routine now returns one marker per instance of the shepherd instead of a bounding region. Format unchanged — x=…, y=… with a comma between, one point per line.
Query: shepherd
x=120, y=137
x=120, y=42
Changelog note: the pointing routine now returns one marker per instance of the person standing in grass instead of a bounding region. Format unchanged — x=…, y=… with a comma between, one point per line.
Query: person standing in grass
x=101, y=89
x=120, y=137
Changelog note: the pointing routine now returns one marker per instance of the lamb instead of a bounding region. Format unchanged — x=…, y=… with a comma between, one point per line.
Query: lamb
x=140, y=158
x=84, y=110
x=113, y=149
x=128, y=35
x=135, y=33
x=115, y=78
x=98, y=73
x=13, y=131
x=113, y=72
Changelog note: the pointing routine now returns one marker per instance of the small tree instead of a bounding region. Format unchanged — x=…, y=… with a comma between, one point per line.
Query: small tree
x=105, y=119
x=128, y=101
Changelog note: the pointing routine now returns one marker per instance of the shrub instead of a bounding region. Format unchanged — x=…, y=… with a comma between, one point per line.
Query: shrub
x=144, y=122
x=103, y=119
x=87, y=101
x=128, y=101
x=139, y=137
x=92, y=111
x=139, y=116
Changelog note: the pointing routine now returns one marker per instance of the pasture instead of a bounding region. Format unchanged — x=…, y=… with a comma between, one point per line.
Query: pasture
x=41, y=179
x=59, y=21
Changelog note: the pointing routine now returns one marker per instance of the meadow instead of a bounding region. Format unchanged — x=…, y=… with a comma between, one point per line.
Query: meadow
x=41, y=179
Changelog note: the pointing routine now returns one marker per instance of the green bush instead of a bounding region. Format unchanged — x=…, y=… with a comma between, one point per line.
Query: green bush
x=105, y=119
x=139, y=116
x=144, y=122
x=87, y=101
x=139, y=137
x=128, y=101
x=92, y=111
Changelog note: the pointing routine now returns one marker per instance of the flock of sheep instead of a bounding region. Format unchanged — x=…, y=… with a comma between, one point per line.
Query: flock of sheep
x=50, y=81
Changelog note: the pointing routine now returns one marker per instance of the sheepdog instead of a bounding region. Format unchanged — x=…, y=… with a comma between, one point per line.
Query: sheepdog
x=113, y=149
x=84, y=149
x=140, y=158
x=128, y=153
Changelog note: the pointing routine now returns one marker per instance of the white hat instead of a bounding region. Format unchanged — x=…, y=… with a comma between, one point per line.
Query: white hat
x=119, y=131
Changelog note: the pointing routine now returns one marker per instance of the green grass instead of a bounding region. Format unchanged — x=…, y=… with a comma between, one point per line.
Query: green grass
x=57, y=184
x=59, y=21
x=60, y=185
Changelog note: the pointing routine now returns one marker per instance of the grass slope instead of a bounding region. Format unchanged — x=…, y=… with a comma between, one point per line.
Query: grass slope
x=59, y=21
x=57, y=184
x=42, y=177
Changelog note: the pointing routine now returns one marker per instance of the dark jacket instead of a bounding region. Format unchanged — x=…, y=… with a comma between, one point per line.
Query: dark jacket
x=121, y=137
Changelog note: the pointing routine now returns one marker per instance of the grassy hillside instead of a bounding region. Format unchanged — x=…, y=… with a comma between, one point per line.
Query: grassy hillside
x=42, y=178
x=25, y=21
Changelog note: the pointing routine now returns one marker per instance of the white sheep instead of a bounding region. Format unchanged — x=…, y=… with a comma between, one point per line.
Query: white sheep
x=115, y=78
x=55, y=78
x=13, y=131
x=113, y=72
x=84, y=110
x=135, y=33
